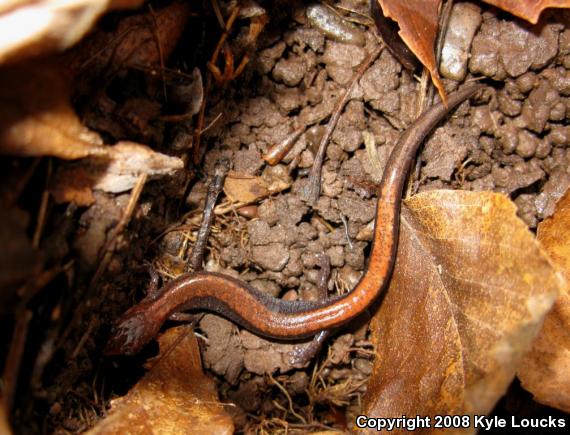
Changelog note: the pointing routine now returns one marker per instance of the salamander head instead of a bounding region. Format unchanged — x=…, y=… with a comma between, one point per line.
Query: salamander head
x=131, y=333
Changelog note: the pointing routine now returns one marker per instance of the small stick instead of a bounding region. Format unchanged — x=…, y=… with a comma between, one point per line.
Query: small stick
x=14, y=358
x=443, y=26
x=428, y=90
x=44, y=202
x=125, y=219
x=213, y=59
x=214, y=189
x=312, y=189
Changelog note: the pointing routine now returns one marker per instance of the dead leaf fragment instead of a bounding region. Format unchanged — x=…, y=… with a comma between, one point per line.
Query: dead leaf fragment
x=529, y=10
x=546, y=369
x=37, y=120
x=468, y=295
x=245, y=188
x=173, y=397
x=418, y=21
x=112, y=169
x=248, y=188
x=143, y=40
x=30, y=27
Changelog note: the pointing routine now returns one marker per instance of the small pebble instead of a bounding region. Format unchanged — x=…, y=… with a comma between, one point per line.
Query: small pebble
x=333, y=26
x=464, y=21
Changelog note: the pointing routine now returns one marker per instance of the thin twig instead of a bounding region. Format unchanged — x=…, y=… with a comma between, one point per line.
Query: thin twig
x=14, y=358
x=443, y=25
x=214, y=190
x=107, y=254
x=107, y=251
x=312, y=189
x=199, y=129
x=44, y=201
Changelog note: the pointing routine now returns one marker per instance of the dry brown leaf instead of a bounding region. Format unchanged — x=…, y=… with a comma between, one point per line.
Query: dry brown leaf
x=31, y=27
x=468, y=295
x=418, y=21
x=248, y=188
x=173, y=397
x=38, y=120
x=143, y=40
x=546, y=369
x=245, y=188
x=529, y=10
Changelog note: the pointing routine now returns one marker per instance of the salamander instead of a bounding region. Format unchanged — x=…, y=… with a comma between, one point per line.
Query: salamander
x=275, y=318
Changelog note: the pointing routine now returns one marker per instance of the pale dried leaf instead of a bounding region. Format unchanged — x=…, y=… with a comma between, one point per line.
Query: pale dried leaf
x=116, y=168
x=546, y=369
x=113, y=169
x=36, y=119
x=30, y=27
x=468, y=295
x=245, y=188
x=248, y=188
x=173, y=397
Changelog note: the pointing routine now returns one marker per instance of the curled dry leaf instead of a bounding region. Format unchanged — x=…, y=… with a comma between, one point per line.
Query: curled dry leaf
x=418, y=21
x=529, y=10
x=174, y=396
x=468, y=295
x=546, y=369
x=30, y=27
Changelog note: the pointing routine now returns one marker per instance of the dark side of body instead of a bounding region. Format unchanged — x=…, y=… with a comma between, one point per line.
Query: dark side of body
x=287, y=320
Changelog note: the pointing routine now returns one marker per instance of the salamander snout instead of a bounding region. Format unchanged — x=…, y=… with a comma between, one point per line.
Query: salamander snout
x=130, y=334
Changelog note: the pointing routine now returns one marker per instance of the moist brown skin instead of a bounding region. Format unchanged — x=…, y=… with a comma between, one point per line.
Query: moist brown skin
x=276, y=318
